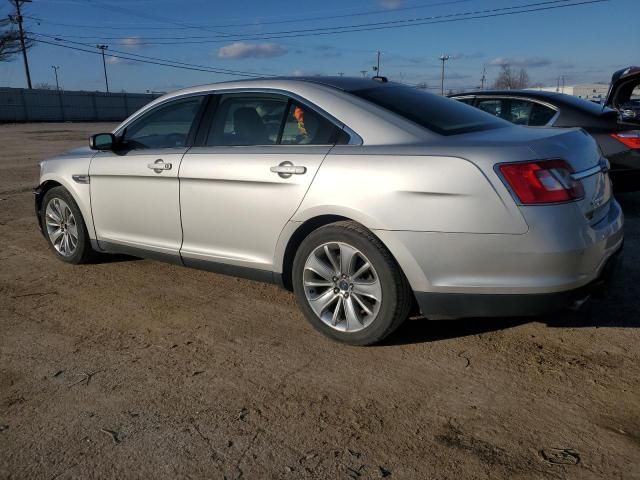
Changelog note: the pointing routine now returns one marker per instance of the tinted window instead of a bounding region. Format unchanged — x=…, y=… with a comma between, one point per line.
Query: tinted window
x=247, y=120
x=540, y=115
x=492, y=106
x=439, y=114
x=167, y=126
x=303, y=126
x=520, y=112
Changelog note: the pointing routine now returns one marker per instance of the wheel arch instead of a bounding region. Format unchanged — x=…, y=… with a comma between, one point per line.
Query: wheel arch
x=80, y=195
x=301, y=232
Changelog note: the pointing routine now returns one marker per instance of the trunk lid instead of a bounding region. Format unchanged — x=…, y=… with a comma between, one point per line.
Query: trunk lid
x=623, y=84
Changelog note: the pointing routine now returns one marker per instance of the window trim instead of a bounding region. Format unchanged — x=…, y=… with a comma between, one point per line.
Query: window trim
x=551, y=121
x=354, y=138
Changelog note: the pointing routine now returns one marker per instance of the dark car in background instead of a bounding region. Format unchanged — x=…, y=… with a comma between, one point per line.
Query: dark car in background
x=614, y=127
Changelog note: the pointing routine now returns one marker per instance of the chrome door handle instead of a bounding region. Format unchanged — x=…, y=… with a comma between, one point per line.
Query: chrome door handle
x=159, y=166
x=286, y=169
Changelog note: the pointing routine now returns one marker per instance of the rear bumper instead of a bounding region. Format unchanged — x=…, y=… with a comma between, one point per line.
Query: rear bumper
x=462, y=305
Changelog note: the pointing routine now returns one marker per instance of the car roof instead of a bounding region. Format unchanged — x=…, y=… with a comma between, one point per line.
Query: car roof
x=347, y=84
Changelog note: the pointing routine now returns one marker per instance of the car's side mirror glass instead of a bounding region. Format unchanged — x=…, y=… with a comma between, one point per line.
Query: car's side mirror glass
x=102, y=141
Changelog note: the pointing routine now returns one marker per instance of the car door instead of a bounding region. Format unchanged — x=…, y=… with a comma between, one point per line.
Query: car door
x=243, y=184
x=135, y=188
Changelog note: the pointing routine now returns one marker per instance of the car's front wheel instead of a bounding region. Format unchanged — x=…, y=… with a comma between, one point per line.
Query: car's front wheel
x=348, y=284
x=64, y=227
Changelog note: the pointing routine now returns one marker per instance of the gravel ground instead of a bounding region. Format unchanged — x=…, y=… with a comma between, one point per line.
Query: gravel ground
x=136, y=369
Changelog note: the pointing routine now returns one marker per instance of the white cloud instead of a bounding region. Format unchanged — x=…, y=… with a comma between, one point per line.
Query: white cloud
x=131, y=42
x=251, y=50
x=530, y=62
x=391, y=4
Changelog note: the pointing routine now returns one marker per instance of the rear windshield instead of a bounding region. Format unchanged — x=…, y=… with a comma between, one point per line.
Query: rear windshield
x=439, y=114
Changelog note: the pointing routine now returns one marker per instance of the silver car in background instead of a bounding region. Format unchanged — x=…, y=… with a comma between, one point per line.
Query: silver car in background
x=370, y=200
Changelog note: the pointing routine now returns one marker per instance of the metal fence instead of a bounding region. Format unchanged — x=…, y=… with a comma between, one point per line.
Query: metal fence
x=22, y=105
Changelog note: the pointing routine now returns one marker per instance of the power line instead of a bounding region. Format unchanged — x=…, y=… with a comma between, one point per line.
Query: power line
x=168, y=63
x=389, y=24
x=272, y=22
x=159, y=59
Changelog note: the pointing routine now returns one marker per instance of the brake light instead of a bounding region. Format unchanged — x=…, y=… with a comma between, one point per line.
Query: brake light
x=630, y=138
x=546, y=181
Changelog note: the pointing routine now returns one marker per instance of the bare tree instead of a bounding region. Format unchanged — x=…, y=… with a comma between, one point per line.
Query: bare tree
x=510, y=79
x=43, y=86
x=10, y=40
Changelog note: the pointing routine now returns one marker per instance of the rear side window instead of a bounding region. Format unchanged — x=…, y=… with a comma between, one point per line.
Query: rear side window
x=303, y=126
x=264, y=119
x=439, y=114
x=518, y=111
x=492, y=106
x=540, y=115
x=247, y=120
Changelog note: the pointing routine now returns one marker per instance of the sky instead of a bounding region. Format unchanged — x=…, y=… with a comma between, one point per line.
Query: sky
x=584, y=43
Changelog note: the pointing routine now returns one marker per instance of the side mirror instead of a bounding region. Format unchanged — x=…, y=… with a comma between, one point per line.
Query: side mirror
x=102, y=141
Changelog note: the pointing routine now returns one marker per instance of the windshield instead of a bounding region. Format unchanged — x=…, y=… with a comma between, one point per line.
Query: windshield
x=438, y=114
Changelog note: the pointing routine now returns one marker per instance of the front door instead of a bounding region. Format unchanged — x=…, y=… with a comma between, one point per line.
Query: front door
x=135, y=190
x=238, y=191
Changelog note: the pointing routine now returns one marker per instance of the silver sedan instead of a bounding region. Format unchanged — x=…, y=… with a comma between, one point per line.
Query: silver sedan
x=370, y=200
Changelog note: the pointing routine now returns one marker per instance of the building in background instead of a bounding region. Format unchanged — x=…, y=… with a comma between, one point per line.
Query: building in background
x=588, y=91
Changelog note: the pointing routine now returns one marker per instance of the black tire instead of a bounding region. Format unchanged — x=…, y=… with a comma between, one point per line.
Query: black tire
x=83, y=252
x=397, y=296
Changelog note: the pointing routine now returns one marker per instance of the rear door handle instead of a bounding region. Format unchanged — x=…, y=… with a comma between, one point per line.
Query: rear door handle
x=286, y=169
x=159, y=166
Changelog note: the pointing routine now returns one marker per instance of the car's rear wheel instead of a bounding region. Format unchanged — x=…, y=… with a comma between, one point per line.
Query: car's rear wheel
x=348, y=284
x=64, y=227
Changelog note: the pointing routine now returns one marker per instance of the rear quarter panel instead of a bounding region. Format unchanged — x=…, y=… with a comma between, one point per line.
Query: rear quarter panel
x=409, y=192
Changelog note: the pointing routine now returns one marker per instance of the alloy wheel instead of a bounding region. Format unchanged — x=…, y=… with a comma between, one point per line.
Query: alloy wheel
x=62, y=228
x=342, y=286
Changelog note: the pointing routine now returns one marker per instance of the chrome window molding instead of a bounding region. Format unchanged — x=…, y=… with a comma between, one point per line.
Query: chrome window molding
x=354, y=138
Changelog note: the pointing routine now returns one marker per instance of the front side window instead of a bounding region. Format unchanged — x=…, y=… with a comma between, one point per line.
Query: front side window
x=242, y=120
x=439, y=114
x=167, y=126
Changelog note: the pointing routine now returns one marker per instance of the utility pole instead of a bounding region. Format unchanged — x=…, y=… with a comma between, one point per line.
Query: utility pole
x=558, y=86
x=18, y=18
x=55, y=70
x=483, y=78
x=377, y=67
x=443, y=58
x=562, y=83
x=104, y=64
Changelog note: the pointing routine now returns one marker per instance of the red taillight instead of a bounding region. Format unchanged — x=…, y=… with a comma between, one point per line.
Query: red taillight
x=547, y=181
x=630, y=138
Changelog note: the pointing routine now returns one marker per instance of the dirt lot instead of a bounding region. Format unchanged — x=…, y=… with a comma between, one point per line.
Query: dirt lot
x=137, y=369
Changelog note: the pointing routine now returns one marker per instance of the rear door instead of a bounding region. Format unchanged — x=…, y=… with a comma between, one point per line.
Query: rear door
x=240, y=187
